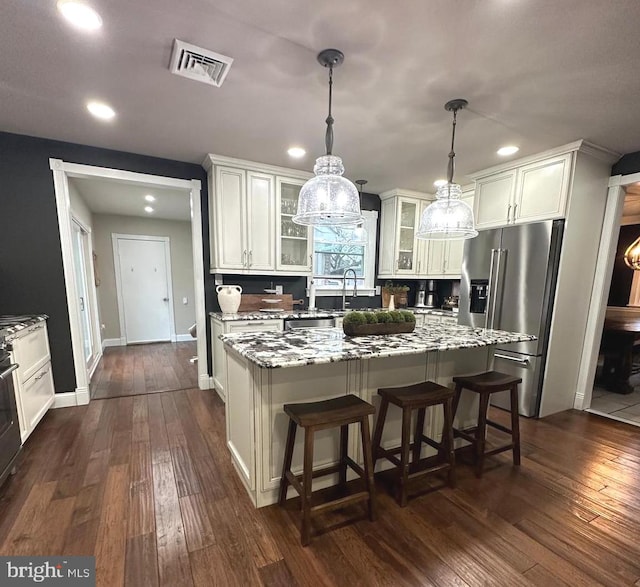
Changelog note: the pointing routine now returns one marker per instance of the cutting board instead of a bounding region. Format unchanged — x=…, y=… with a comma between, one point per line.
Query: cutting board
x=255, y=303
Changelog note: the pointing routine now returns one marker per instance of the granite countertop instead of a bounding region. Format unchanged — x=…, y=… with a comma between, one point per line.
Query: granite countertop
x=308, y=346
x=314, y=314
x=11, y=325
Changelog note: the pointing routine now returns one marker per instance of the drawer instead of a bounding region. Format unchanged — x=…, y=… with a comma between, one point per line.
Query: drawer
x=449, y=320
x=36, y=397
x=236, y=327
x=31, y=350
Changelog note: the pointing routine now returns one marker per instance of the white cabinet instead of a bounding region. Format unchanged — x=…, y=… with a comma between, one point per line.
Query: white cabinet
x=33, y=380
x=294, y=242
x=530, y=192
x=251, y=231
x=219, y=327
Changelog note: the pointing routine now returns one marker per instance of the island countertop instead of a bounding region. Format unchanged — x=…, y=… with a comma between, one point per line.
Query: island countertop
x=314, y=346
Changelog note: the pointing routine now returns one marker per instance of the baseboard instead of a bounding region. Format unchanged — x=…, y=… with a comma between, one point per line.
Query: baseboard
x=113, y=342
x=578, y=402
x=205, y=381
x=68, y=399
x=184, y=338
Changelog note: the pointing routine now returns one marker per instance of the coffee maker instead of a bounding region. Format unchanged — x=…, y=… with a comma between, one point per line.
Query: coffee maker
x=427, y=297
x=420, y=297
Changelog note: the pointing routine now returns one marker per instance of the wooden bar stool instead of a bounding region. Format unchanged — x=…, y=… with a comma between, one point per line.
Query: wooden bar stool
x=416, y=397
x=315, y=416
x=485, y=384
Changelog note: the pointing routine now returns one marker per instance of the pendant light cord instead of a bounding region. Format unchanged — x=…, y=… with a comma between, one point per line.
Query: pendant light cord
x=328, y=137
x=452, y=153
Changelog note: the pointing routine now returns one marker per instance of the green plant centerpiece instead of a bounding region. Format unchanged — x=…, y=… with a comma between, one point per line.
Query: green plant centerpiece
x=399, y=293
x=368, y=323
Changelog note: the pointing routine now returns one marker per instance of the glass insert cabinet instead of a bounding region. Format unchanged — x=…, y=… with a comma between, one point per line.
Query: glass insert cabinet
x=407, y=218
x=294, y=240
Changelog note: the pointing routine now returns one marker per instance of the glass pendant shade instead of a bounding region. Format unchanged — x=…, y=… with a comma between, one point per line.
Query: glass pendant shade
x=448, y=217
x=632, y=255
x=328, y=198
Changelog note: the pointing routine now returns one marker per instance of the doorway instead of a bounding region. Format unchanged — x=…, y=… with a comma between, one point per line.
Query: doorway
x=62, y=173
x=144, y=288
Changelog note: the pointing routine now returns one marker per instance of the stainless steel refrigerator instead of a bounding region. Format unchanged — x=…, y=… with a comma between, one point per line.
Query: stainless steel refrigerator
x=508, y=283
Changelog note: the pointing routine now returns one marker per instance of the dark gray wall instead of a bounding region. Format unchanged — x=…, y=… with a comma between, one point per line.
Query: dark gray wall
x=31, y=274
x=629, y=163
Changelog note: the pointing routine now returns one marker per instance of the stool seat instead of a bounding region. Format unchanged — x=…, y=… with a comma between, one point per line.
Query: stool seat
x=427, y=393
x=329, y=413
x=410, y=465
x=490, y=381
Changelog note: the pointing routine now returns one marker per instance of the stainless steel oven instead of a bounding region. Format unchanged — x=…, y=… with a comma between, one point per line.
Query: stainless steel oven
x=9, y=428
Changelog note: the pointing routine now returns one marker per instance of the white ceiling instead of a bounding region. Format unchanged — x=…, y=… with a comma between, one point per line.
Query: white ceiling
x=537, y=73
x=107, y=196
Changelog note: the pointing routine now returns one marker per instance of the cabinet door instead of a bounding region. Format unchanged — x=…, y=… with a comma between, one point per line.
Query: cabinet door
x=453, y=257
x=37, y=395
x=261, y=213
x=422, y=248
x=494, y=199
x=542, y=188
x=230, y=218
x=294, y=242
x=31, y=350
x=387, y=255
x=435, y=265
x=407, y=224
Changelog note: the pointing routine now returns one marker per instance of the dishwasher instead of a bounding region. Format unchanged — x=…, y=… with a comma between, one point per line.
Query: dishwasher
x=294, y=323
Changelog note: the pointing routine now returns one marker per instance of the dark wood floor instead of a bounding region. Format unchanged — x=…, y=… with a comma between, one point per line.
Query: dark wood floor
x=145, y=483
x=144, y=368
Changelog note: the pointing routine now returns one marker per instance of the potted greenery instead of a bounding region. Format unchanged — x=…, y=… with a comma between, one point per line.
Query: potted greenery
x=399, y=293
x=367, y=323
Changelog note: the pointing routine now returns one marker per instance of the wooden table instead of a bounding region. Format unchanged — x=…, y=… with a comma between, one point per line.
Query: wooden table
x=620, y=334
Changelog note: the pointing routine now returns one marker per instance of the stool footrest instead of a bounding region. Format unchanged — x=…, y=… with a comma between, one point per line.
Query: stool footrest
x=466, y=434
x=432, y=443
x=355, y=466
x=340, y=502
x=495, y=451
x=499, y=426
x=433, y=469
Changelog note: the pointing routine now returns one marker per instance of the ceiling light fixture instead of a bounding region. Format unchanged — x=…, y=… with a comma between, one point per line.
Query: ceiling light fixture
x=80, y=15
x=150, y=198
x=328, y=198
x=448, y=218
x=439, y=182
x=148, y=209
x=506, y=151
x=296, y=152
x=101, y=110
x=632, y=255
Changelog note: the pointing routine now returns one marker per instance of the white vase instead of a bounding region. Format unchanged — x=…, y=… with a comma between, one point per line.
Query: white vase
x=229, y=298
x=392, y=305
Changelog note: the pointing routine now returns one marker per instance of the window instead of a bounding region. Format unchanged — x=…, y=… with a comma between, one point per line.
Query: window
x=337, y=248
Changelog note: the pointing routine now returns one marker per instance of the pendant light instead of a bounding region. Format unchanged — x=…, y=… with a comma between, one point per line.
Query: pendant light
x=449, y=217
x=328, y=199
x=632, y=255
x=360, y=232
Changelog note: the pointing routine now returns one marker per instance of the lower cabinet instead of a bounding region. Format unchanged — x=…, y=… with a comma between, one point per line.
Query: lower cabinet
x=33, y=380
x=219, y=327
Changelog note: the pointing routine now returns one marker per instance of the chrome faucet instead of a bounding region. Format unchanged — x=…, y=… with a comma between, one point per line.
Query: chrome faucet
x=344, y=287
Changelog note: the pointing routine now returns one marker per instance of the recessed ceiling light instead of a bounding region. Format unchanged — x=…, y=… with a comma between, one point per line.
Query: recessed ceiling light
x=296, y=152
x=80, y=14
x=506, y=151
x=101, y=110
x=150, y=198
x=148, y=209
x=439, y=182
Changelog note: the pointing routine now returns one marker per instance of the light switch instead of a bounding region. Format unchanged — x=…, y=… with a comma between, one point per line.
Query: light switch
x=185, y=301
x=278, y=290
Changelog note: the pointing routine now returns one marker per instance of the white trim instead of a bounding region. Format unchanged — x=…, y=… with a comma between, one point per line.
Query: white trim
x=612, y=417
x=599, y=292
x=115, y=241
x=107, y=342
x=184, y=337
x=61, y=172
x=210, y=160
x=68, y=399
x=206, y=382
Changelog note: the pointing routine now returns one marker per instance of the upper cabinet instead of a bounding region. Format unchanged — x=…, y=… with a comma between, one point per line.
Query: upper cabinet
x=251, y=208
x=401, y=253
x=529, y=192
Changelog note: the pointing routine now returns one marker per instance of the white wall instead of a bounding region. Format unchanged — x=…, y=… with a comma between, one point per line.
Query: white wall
x=179, y=233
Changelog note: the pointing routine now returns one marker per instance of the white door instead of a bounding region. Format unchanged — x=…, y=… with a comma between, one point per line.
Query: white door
x=80, y=260
x=144, y=289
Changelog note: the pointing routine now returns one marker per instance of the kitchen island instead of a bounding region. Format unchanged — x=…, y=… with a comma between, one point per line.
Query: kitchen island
x=265, y=370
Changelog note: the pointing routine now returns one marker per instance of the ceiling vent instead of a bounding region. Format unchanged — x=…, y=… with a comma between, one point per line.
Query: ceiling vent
x=199, y=64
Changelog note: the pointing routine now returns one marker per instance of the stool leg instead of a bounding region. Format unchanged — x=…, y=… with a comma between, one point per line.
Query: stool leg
x=344, y=442
x=417, y=437
x=404, y=457
x=368, y=466
x=515, y=425
x=307, y=476
x=377, y=435
x=447, y=440
x=456, y=399
x=481, y=433
x=286, y=465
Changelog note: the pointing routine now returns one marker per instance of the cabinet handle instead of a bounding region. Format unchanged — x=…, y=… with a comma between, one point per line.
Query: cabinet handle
x=509, y=214
x=40, y=376
x=397, y=263
x=310, y=260
x=244, y=258
x=249, y=323
x=515, y=209
x=250, y=258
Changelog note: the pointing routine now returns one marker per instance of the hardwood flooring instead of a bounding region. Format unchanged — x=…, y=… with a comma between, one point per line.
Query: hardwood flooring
x=144, y=368
x=146, y=485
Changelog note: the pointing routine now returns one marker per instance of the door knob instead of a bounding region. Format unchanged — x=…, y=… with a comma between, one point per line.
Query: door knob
x=165, y=299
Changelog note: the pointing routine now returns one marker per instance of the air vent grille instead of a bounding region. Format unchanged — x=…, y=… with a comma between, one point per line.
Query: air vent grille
x=199, y=64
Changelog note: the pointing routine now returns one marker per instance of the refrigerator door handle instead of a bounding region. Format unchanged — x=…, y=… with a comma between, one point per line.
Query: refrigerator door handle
x=487, y=323
x=497, y=285
x=510, y=358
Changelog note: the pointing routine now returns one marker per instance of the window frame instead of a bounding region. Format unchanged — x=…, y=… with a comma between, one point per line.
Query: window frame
x=369, y=288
